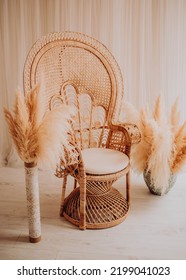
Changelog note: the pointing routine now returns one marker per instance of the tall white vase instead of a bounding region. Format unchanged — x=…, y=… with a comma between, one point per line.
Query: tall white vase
x=33, y=205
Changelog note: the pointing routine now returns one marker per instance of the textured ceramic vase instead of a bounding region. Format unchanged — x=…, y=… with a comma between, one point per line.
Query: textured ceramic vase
x=160, y=190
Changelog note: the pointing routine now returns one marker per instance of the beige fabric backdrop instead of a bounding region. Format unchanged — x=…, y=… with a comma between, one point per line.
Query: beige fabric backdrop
x=147, y=38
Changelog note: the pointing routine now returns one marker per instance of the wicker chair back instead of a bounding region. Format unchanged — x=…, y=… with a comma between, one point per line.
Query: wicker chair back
x=83, y=72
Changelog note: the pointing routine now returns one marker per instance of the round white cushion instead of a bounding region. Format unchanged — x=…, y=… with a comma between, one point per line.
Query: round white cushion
x=100, y=161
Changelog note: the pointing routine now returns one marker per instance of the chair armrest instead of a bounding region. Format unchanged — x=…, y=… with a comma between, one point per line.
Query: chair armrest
x=119, y=139
x=133, y=132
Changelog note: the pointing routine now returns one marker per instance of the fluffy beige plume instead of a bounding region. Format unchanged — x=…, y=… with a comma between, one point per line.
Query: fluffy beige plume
x=22, y=137
x=38, y=137
x=140, y=155
x=21, y=111
x=179, y=161
x=129, y=114
x=179, y=141
x=146, y=126
x=19, y=127
x=162, y=149
x=159, y=111
x=179, y=152
x=53, y=135
x=158, y=162
x=31, y=100
x=175, y=115
x=180, y=136
x=141, y=151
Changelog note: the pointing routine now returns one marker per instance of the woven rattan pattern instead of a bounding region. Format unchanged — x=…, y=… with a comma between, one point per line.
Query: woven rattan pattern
x=98, y=214
x=71, y=56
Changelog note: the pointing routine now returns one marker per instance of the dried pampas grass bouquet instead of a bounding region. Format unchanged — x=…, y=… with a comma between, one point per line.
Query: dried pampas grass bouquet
x=39, y=135
x=161, y=154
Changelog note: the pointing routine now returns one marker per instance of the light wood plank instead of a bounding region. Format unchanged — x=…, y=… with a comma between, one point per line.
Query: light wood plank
x=154, y=229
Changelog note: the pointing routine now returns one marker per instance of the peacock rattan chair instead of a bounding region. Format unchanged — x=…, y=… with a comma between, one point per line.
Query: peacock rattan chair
x=78, y=70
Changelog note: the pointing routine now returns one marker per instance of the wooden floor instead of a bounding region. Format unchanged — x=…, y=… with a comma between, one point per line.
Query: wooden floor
x=154, y=229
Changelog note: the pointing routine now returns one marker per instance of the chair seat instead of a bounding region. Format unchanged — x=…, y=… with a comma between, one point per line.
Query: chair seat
x=102, y=161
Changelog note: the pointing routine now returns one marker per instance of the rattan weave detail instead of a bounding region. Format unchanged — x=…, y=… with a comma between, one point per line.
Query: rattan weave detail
x=72, y=56
x=102, y=211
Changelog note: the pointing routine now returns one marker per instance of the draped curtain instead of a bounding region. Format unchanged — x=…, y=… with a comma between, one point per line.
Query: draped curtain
x=147, y=38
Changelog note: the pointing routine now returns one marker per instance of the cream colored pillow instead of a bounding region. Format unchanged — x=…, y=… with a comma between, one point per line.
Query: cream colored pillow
x=100, y=161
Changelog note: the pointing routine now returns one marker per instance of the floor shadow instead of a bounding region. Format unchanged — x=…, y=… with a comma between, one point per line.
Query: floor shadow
x=7, y=239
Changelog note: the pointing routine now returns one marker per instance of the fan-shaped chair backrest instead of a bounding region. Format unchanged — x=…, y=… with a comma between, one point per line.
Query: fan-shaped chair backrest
x=81, y=71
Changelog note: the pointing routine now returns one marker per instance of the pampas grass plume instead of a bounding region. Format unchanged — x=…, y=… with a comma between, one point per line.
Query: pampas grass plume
x=162, y=149
x=129, y=113
x=39, y=135
x=175, y=115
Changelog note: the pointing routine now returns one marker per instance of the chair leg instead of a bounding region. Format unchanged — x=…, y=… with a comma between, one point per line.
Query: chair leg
x=63, y=194
x=82, y=183
x=75, y=183
x=128, y=186
x=82, y=224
